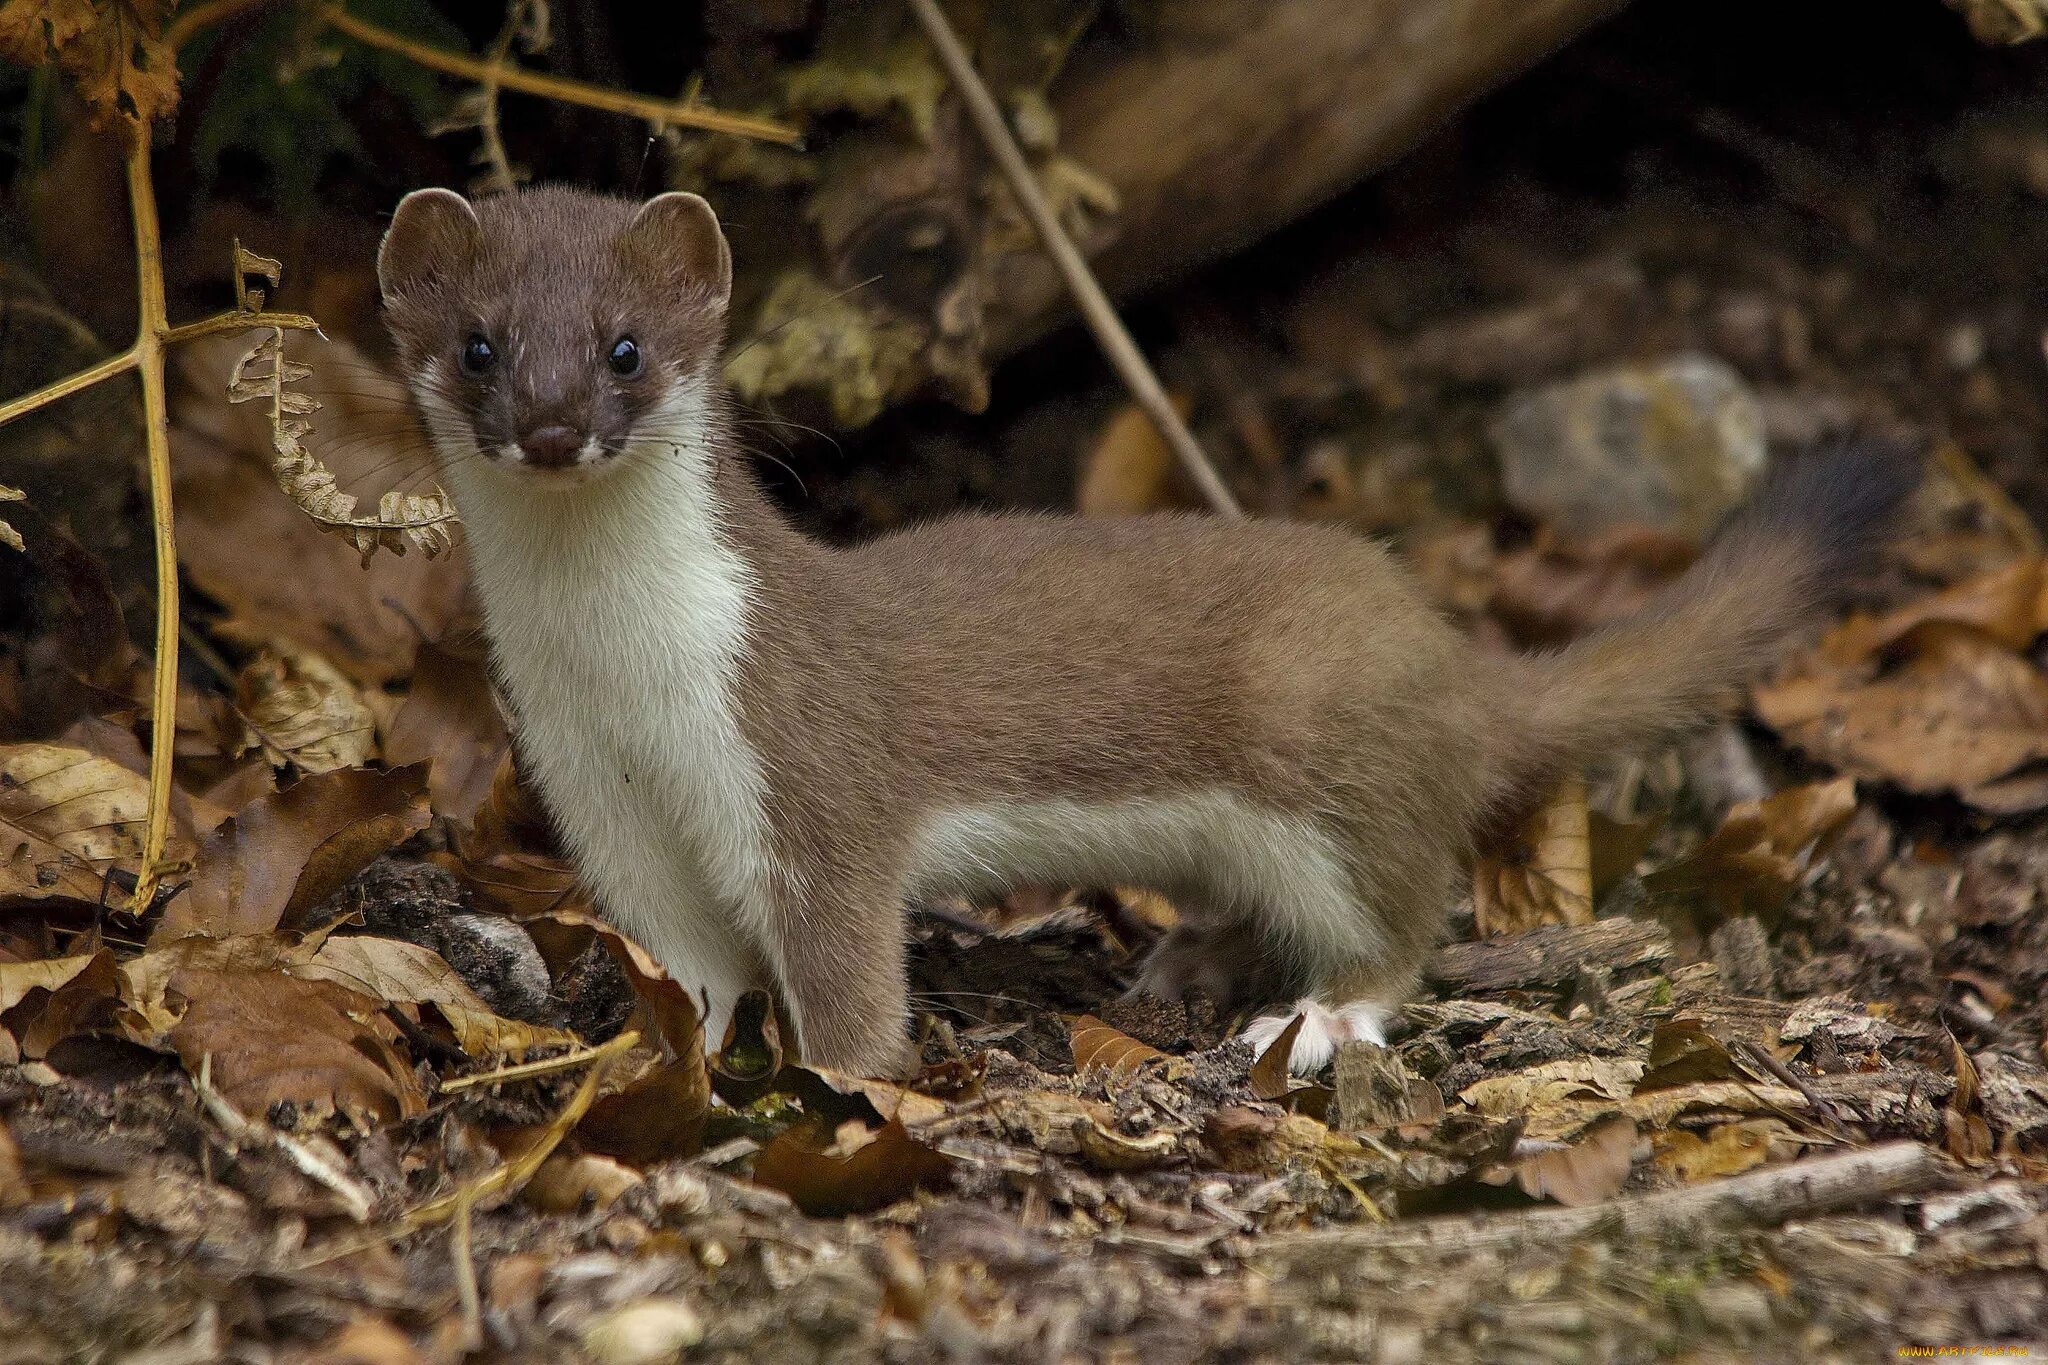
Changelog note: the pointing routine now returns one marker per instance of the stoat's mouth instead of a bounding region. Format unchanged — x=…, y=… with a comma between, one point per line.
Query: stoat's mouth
x=589, y=461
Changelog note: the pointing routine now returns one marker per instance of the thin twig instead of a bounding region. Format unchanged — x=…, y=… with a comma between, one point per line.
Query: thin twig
x=242, y=1129
x=235, y=320
x=501, y=1181
x=150, y=332
x=465, y=1279
x=524, y=1071
x=203, y=15
x=511, y=1177
x=496, y=59
x=681, y=113
x=68, y=385
x=1096, y=309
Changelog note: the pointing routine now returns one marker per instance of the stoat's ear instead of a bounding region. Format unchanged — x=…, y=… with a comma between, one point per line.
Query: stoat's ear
x=680, y=232
x=434, y=232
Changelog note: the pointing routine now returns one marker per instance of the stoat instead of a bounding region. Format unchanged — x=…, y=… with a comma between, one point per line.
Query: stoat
x=759, y=747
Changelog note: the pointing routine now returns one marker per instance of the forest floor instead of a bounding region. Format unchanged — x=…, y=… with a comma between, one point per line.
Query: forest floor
x=1772, y=1086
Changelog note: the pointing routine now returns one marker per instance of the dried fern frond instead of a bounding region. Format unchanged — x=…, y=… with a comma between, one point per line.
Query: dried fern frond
x=420, y=520
x=262, y=373
x=10, y=537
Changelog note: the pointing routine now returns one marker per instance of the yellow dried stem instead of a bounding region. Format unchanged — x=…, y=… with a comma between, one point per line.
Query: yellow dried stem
x=678, y=113
x=148, y=351
x=146, y=357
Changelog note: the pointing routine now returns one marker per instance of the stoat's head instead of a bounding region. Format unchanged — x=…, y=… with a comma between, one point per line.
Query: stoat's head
x=551, y=332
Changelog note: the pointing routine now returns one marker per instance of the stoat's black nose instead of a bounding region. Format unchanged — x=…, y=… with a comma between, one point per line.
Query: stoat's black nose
x=551, y=447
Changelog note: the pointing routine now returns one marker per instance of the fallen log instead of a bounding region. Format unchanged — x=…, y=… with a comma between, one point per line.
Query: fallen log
x=1769, y=1197
x=1160, y=149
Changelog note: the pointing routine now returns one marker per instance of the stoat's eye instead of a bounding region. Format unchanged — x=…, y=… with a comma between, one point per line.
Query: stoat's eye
x=477, y=355
x=625, y=358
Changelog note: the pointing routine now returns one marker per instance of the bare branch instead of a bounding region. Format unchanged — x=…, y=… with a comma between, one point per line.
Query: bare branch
x=680, y=113
x=1797, y=1189
x=1096, y=309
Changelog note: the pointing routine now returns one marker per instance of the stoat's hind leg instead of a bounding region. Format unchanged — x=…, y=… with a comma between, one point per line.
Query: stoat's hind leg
x=1223, y=958
x=1349, y=963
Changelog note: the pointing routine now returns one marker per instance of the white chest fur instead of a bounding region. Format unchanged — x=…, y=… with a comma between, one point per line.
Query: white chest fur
x=618, y=611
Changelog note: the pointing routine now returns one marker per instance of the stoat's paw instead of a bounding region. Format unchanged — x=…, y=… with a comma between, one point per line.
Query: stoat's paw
x=1323, y=1031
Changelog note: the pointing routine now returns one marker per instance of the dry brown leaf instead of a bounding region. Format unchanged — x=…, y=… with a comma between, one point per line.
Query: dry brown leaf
x=835, y=1096
x=1762, y=850
x=572, y=1183
x=1589, y=1170
x=1553, y=1083
x=90, y=1001
x=145, y=985
x=82, y=661
x=1101, y=1049
x=1272, y=1075
x=511, y=816
x=1548, y=879
x=659, y=1114
x=451, y=720
x=1937, y=696
x=1129, y=469
x=2003, y=21
x=66, y=817
x=854, y=1169
x=1727, y=1149
x=2009, y=604
x=1108, y=1150
x=522, y=886
x=17, y=979
x=302, y=710
x=1660, y=1108
x=400, y=972
x=1250, y=1142
x=1966, y=1133
x=365, y=1341
x=957, y=1080
x=293, y=849
x=115, y=740
x=1374, y=1090
x=1683, y=1052
x=1049, y=1120
x=113, y=52
x=273, y=1038
x=1562, y=1112
x=1961, y=714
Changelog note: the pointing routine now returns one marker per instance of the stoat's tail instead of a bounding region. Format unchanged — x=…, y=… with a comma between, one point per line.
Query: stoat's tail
x=1775, y=565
